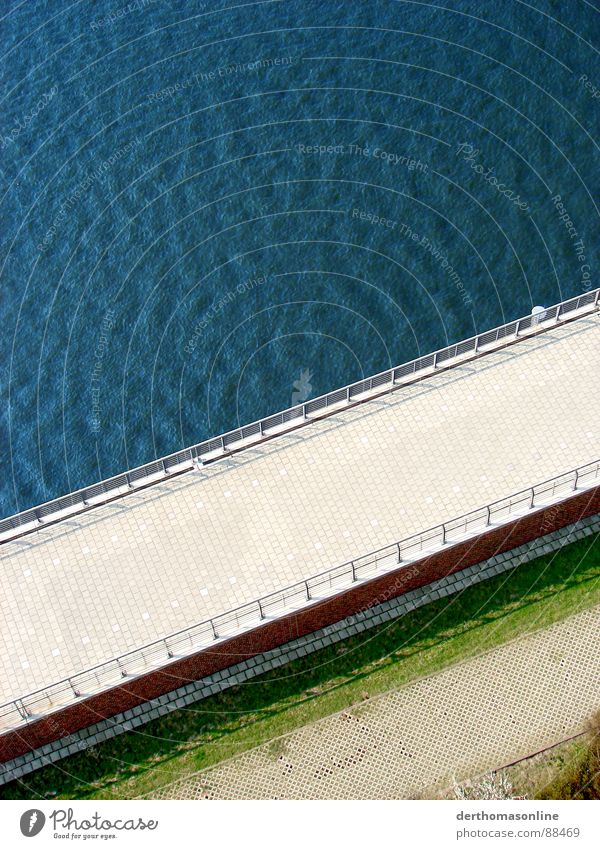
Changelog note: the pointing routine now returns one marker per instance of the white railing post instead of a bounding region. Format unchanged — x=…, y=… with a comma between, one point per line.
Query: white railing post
x=20, y=706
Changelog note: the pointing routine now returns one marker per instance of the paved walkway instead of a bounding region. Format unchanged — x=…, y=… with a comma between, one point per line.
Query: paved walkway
x=125, y=574
x=470, y=718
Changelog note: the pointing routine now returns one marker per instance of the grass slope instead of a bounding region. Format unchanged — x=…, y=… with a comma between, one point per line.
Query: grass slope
x=580, y=776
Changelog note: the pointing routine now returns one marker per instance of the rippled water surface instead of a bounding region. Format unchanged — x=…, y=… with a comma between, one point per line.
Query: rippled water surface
x=211, y=210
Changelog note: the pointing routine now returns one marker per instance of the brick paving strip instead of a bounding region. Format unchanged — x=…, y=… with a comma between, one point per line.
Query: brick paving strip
x=472, y=717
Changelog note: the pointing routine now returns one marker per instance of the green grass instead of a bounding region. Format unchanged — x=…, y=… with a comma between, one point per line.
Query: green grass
x=580, y=777
x=445, y=632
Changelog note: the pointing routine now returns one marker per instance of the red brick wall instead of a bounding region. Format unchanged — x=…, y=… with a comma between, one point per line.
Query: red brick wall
x=272, y=634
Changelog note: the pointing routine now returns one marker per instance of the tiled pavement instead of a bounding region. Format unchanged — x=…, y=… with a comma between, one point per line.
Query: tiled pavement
x=466, y=720
x=125, y=574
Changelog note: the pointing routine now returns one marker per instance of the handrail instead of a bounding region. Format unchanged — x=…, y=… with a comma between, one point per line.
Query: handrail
x=216, y=447
x=189, y=640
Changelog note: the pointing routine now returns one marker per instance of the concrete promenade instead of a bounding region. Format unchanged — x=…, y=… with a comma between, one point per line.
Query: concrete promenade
x=104, y=582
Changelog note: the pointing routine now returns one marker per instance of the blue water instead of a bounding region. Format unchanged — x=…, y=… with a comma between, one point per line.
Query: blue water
x=213, y=270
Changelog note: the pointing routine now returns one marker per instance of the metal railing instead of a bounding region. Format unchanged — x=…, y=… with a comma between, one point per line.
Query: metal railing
x=210, y=449
x=189, y=640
